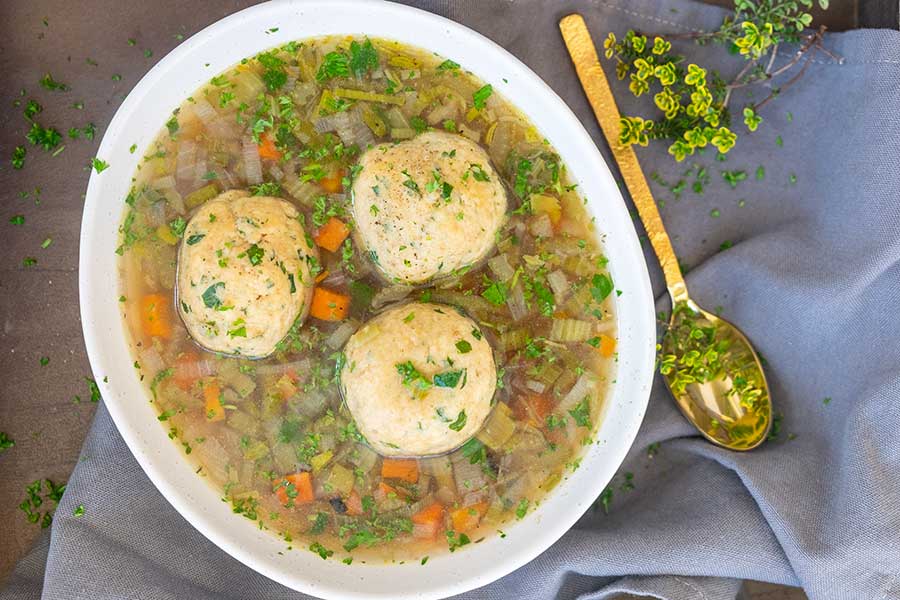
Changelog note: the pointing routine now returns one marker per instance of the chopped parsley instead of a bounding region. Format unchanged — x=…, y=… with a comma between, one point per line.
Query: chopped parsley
x=460, y=421
x=211, y=297
x=481, y=95
x=463, y=347
x=450, y=379
x=581, y=412
x=99, y=164
x=495, y=293
x=255, y=254
x=48, y=83
x=448, y=65
x=363, y=58
x=334, y=64
x=412, y=377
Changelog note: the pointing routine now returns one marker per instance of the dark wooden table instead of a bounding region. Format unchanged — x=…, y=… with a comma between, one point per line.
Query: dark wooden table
x=88, y=49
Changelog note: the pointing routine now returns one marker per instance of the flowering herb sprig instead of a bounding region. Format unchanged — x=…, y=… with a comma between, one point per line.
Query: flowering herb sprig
x=694, y=101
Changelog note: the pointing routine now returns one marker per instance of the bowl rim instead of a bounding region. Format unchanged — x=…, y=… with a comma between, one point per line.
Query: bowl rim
x=103, y=338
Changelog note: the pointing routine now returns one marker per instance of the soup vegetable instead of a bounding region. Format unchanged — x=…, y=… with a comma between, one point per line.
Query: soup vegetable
x=511, y=266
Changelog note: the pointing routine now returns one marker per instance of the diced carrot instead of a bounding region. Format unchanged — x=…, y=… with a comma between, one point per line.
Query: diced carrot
x=467, y=518
x=354, y=504
x=186, y=370
x=333, y=184
x=329, y=306
x=267, y=148
x=321, y=276
x=428, y=522
x=429, y=514
x=332, y=234
x=295, y=489
x=607, y=346
x=213, y=402
x=155, y=316
x=406, y=469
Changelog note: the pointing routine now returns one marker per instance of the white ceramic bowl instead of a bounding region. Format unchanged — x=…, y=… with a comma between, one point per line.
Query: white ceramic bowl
x=137, y=122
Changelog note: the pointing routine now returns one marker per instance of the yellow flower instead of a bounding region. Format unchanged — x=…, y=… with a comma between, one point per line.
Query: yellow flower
x=622, y=70
x=723, y=139
x=644, y=68
x=680, y=149
x=755, y=41
x=695, y=137
x=751, y=119
x=665, y=73
x=695, y=76
x=609, y=44
x=668, y=103
x=633, y=130
x=661, y=46
x=638, y=86
x=639, y=43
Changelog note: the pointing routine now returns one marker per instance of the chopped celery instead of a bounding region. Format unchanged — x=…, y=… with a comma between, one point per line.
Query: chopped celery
x=548, y=205
x=319, y=461
x=340, y=479
x=255, y=450
x=367, y=96
x=201, y=195
x=402, y=133
x=164, y=233
x=498, y=429
x=374, y=122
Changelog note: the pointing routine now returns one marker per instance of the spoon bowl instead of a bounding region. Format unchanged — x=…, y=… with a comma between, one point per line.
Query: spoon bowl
x=716, y=378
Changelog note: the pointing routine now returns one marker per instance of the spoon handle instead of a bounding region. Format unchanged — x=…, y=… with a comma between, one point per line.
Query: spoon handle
x=596, y=88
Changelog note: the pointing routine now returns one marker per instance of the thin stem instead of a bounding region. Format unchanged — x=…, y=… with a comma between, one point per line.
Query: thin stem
x=772, y=59
x=790, y=82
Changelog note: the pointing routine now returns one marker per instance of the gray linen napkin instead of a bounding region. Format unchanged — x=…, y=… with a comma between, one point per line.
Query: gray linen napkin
x=812, y=275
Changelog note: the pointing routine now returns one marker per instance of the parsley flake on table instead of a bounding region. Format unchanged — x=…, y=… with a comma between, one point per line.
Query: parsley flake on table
x=6, y=442
x=47, y=82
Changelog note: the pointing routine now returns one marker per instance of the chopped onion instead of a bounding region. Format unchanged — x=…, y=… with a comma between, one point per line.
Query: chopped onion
x=390, y=294
x=205, y=112
x=341, y=334
x=535, y=386
x=187, y=157
x=515, y=300
x=165, y=182
x=500, y=266
x=471, y=133
x=252, y=165
x=156, y=214
x=200, y=171
x=276, y=173
x=541, y=226
x=583, y=387
x=297, y=366
x=560, y=286
x=151, y=362
x=469, y=477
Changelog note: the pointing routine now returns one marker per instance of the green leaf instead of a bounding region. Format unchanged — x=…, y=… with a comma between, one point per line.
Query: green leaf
x=481, y=95
x=459, y=423
x=449, y=379
x=363, y=57
x=211, y=297
x=601, y=287
x=463, y=347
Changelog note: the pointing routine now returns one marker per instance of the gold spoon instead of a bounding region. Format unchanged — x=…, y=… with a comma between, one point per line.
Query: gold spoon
x=710, y=367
